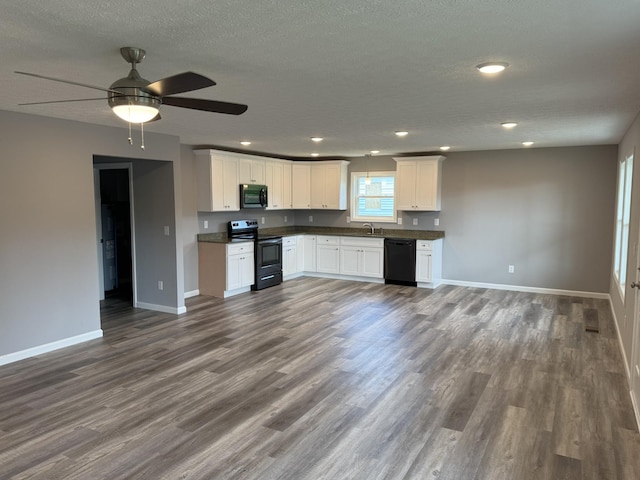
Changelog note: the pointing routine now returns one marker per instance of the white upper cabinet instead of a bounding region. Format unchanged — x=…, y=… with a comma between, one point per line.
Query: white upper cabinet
x=278, y=180
x=217, y=181
x=300, y=185
x=329, y=185
x=251, y=171
x=418, y=182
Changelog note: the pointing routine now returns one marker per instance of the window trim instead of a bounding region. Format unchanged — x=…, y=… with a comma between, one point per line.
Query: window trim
x=355, y=176
x=624, y=192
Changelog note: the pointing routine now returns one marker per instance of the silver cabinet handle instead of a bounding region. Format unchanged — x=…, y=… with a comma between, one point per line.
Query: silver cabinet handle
x=635, y=285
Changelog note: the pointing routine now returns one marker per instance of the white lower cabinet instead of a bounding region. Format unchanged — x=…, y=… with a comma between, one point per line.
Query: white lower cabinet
x=362, y=257
x=429, y=262
x=328, y=254
x=240, y=266
x=309, y=253
x=289, y=255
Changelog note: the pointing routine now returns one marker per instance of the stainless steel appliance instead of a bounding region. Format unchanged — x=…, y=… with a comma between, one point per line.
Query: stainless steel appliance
x=267, y=252
x=400, y=261
x=254, y=196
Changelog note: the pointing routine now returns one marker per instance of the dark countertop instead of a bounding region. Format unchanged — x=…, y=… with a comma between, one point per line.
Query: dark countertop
x=221, y=237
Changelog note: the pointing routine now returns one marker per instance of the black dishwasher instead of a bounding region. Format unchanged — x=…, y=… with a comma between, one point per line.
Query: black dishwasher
x=400, y=261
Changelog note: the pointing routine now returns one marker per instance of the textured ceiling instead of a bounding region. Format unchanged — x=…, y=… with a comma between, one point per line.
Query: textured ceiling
x=351, y=71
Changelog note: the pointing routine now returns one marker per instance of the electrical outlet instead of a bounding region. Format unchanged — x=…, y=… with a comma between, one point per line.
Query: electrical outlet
x=512, y=268
x=399, y=220
x=160, y=285
x=262, y=220
x=415, y=221
x=285, y=219
x=436, y=221
x=310, y=218
x=348, y=219
x=206, y=224
x=166, y=230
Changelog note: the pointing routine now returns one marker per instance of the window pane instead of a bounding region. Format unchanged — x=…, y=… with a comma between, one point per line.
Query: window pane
x=373, y=197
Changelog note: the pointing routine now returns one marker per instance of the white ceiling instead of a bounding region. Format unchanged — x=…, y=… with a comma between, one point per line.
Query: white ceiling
x=352, y=71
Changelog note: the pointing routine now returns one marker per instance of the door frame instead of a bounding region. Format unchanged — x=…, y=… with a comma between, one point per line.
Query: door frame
x=97, y=168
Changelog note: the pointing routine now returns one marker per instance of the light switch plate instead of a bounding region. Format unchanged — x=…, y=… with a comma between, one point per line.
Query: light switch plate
x=415, y=221
x=436, y=221
x=206, y=224
x=399, y=220
x=166, y=230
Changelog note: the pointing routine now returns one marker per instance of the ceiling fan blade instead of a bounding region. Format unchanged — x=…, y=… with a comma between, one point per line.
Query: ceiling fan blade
x=180, y=83
x=63, y=101
x=67, y=81
x=205, y=105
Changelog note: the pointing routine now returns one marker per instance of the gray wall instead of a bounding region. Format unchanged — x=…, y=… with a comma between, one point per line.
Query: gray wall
x=547, y=211
x=48, y=255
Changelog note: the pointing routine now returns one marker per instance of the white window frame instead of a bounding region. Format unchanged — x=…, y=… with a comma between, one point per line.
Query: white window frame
x=355, y=217
x=623, y=219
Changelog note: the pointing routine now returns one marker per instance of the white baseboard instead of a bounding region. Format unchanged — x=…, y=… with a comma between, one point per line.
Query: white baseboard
x=49, y=347
x=192, y=293
x=634, y=400
x=519, y=288
x=161, y=308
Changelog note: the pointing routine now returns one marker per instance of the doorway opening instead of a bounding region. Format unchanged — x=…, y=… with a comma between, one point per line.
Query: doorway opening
x=114, y=229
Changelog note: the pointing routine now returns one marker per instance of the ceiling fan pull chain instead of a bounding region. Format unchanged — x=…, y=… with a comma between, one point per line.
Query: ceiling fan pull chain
x=130, y=139
x=142, y=135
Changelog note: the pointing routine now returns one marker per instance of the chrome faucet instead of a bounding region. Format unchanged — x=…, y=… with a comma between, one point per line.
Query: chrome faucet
x=370, y=225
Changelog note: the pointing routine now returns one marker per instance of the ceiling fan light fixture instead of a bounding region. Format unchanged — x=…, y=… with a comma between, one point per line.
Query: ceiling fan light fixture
x=135, y=113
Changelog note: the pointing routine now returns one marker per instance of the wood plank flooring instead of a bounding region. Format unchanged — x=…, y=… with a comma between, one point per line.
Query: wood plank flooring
x=329, y=379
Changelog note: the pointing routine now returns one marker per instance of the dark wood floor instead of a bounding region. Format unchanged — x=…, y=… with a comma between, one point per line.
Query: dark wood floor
x=328, y=379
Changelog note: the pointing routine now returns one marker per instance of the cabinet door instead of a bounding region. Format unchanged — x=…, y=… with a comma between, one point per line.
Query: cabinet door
x=286, y=186
x=247, y=271
x=406, y=186
x=328, y=259
x=251, y=171
x=300, y=185
x=231, y=186
x=423, y=266
x=372, y=262
x=289, y=259
x=309, y=253
x=426, y=190
x=350, y=260
x=318, y=186
x=332, y=187
x=275, y=182
x=234, y=271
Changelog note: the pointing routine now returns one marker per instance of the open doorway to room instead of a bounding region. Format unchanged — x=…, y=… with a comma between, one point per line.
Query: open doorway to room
x=114, y=215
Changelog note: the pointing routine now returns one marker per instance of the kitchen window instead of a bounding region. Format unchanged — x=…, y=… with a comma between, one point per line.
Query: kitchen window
x=623, y=217
x=373, y=197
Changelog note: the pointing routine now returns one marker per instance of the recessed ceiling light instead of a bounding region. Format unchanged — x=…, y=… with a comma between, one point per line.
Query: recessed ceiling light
x=444, y=148
x=375, y=151
x=315, y=154
x=509, y=124
x=527, y=144
x=492, y=67
x=317, y=139
x=402, y=133
x=245, y=143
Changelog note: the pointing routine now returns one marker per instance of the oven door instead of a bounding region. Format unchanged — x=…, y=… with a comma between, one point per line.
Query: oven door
x=268, y=260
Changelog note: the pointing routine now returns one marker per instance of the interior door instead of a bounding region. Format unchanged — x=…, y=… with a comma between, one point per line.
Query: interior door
x=109, y=259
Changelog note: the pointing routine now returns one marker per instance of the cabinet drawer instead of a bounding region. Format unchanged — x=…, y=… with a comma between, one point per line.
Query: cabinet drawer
x=235, y=248
x=328, y=240
x=362, y=242
x=288, y=241
x=424, y=245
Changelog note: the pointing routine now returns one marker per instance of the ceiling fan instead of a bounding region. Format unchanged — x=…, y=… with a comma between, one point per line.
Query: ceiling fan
x=136, y=100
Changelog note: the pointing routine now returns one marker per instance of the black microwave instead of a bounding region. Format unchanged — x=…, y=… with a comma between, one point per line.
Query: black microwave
x=253, y=196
